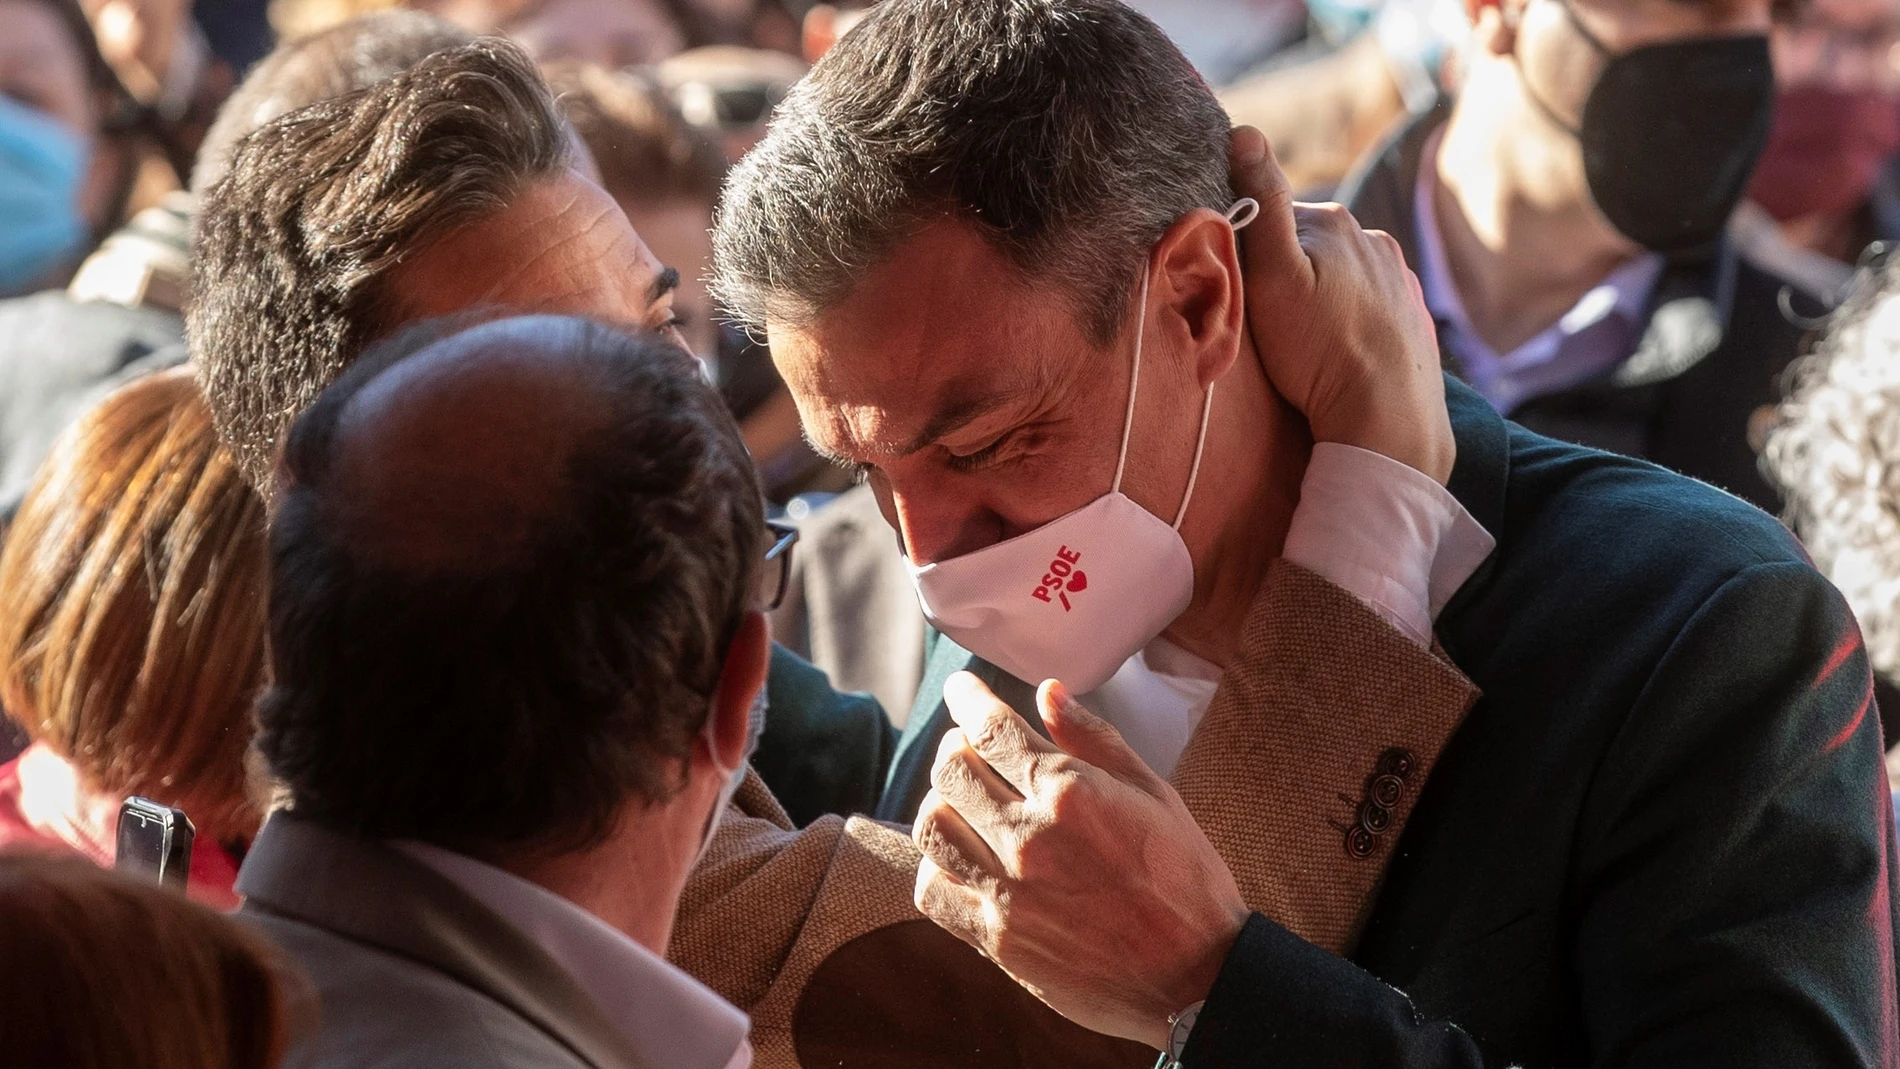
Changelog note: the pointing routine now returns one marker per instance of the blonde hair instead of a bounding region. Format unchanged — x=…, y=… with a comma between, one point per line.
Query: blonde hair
x=133, y=581
x=103, y=972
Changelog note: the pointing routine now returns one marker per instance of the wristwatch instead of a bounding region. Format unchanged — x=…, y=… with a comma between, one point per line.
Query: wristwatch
x=1180, y=1024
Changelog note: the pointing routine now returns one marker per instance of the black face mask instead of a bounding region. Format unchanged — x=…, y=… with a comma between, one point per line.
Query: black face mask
x=1671, y=133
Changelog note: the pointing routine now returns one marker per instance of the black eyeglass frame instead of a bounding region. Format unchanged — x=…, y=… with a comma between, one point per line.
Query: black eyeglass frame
x=779, y=556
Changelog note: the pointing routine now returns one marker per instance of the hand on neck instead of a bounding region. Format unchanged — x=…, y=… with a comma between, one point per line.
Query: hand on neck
x=1520, y=235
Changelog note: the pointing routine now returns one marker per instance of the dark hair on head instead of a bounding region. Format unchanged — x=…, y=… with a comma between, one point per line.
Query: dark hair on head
x=515, y=681
x=647, y=153
x=346, y=57
x=1070, y=133
x=294, y=242
x=105, y=972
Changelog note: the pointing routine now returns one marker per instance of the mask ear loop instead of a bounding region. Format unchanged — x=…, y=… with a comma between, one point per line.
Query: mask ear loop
x=1244, y=211
x=1134, y=381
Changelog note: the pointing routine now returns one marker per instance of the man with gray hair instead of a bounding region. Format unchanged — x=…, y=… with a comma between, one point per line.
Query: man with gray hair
x=451, y=188
x=992, y=245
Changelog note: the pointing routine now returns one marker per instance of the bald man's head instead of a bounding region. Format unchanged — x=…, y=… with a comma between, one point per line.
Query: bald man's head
x=461, y=453
x=513, y=556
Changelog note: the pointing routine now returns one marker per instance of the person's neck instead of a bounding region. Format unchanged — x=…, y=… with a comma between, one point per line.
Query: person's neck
x=631, y=881
x=1257, y=449
x=1521, y=253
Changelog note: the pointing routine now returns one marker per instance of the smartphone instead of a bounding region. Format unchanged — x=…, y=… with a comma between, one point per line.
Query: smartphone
x=155, y=842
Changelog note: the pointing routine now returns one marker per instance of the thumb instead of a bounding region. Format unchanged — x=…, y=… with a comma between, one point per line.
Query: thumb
x=1083, y=735
x=1269, y=248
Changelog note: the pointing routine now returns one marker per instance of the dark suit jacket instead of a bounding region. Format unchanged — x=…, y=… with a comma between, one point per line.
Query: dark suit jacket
x=823, y=751
x=1661, y=837
x=1714, y=346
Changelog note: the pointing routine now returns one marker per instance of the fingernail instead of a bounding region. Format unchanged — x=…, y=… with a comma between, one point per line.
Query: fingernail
x=958, y=682
x=1060, y=697
x=1251, y=145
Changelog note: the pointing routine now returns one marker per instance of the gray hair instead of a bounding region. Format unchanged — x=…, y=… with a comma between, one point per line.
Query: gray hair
x=1071, y=133
x=1836, y=453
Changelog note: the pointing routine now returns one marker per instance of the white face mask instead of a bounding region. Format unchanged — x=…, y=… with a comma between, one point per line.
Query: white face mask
x=1076, y=597
x=755, y=727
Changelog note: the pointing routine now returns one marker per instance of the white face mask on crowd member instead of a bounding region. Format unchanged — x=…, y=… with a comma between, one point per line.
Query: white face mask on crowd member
x=1076, y=597
x=755, y=727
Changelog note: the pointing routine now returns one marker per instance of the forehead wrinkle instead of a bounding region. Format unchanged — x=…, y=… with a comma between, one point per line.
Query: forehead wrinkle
x=573, y=273
x=548, y=235
x=966, y=400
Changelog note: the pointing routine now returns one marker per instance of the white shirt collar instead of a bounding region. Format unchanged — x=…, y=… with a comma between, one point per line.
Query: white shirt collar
x=673, y=1020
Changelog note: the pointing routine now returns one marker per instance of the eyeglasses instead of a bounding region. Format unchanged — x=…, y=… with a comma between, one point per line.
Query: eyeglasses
x=725, y=106
x=777, y=577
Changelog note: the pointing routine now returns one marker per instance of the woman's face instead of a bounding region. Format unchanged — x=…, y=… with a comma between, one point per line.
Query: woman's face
x=59, y=178
x=42, y=67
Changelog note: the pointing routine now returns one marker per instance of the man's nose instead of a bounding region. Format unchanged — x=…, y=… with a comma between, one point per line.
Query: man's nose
x=939, y=525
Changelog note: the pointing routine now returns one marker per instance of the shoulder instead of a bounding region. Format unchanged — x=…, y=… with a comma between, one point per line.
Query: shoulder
x=823, y=750
x=377, y=1010
x=98, y=329
x=1600, y=550
x=1576, y=500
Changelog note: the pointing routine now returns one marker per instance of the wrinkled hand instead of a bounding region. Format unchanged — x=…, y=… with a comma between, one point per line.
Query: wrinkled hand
x=1339, y=320
x=1072, y=865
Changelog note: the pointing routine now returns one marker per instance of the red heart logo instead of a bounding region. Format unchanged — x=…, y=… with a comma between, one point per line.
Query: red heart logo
x=1078, y=582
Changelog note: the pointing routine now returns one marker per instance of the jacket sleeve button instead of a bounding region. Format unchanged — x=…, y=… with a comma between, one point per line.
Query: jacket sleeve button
x=1385, y=790
x=1374, y=817
x=1359, y=842
x=1398, y=761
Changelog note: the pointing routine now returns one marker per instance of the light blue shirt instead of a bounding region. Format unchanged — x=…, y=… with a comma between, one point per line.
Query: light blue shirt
x=1598, y=333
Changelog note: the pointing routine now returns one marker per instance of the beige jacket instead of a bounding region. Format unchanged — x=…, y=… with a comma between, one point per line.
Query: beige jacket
x=813, y=932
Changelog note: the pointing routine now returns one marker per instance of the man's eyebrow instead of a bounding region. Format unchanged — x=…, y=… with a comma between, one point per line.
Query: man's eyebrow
x=667, y=281
x=956, y=415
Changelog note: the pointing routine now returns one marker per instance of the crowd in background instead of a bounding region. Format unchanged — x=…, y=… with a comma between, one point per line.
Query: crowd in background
x=201, y=581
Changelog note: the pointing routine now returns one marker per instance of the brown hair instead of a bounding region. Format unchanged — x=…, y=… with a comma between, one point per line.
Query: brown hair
x=294, y=242
x=647, y=153
x=134, y=582
x=103, y=972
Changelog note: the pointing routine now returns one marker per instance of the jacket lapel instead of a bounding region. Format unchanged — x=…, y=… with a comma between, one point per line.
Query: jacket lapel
x=1684, y=322
x=909, y=777
x=365, y=892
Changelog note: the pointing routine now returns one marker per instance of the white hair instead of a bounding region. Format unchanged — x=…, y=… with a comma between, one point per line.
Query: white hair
x=1836, y=453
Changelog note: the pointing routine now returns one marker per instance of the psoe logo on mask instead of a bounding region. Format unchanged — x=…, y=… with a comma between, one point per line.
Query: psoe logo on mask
x=1062, y=579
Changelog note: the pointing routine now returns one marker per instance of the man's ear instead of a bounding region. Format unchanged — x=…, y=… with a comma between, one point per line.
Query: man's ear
x=1199, y=291
x=740, y=681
